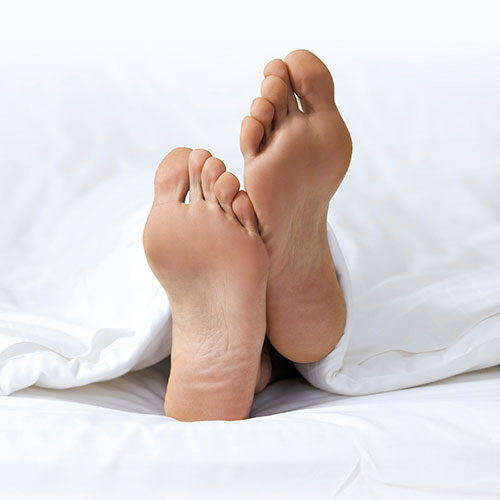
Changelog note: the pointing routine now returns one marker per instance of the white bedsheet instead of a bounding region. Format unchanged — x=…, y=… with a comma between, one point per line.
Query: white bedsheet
x=110, y=440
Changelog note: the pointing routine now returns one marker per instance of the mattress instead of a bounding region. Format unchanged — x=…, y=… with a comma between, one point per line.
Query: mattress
x=110, y=440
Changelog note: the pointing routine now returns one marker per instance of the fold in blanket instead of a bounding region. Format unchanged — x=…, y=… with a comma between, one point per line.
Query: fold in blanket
x=100, y=313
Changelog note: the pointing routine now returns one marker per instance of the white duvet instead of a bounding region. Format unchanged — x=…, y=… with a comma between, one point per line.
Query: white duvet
x=417, y=218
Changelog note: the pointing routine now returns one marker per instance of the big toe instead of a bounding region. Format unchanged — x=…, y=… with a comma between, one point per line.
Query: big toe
x=311, y=81
x=172, y=177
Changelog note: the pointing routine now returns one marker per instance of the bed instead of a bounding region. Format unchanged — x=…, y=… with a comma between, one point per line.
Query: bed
x=412, y=403
x=111, y=440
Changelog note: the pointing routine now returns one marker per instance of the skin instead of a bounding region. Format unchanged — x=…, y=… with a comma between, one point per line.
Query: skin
x=294, y=162
x=235, y=264
x=212, y=263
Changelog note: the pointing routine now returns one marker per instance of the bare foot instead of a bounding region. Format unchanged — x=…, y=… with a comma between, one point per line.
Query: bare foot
x=294, y=162
x=209, y=258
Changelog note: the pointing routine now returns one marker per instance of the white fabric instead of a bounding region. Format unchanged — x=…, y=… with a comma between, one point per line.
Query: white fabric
x=83, y=126
x=109, y=440
x=412, y=330
x=86, y=307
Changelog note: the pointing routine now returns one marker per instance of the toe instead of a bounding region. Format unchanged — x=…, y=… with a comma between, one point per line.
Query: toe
x=212, y=170
x=252, y=133
x=197, y=159
x=263, y=111
x=278, y=68
x=274, y=89
x=243, y=209
x=172, y=178
x=311, y=81
x=225, y=189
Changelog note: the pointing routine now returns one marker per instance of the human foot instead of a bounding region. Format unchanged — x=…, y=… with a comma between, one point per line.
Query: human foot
x=294, y=162
x=208, y=256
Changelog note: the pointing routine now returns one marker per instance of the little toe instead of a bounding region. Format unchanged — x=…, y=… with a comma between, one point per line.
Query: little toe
x=252, y=133
x=244, y=211
x=197, y=159
x=212, y=170
x=311, y=81
x=263, y=111
x=172, y=178
x=275, y=90
x=278, y=68
x=226, y=187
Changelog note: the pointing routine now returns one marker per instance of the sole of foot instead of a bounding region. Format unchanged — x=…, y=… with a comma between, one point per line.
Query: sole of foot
x=297, y=150
x=210, y=259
